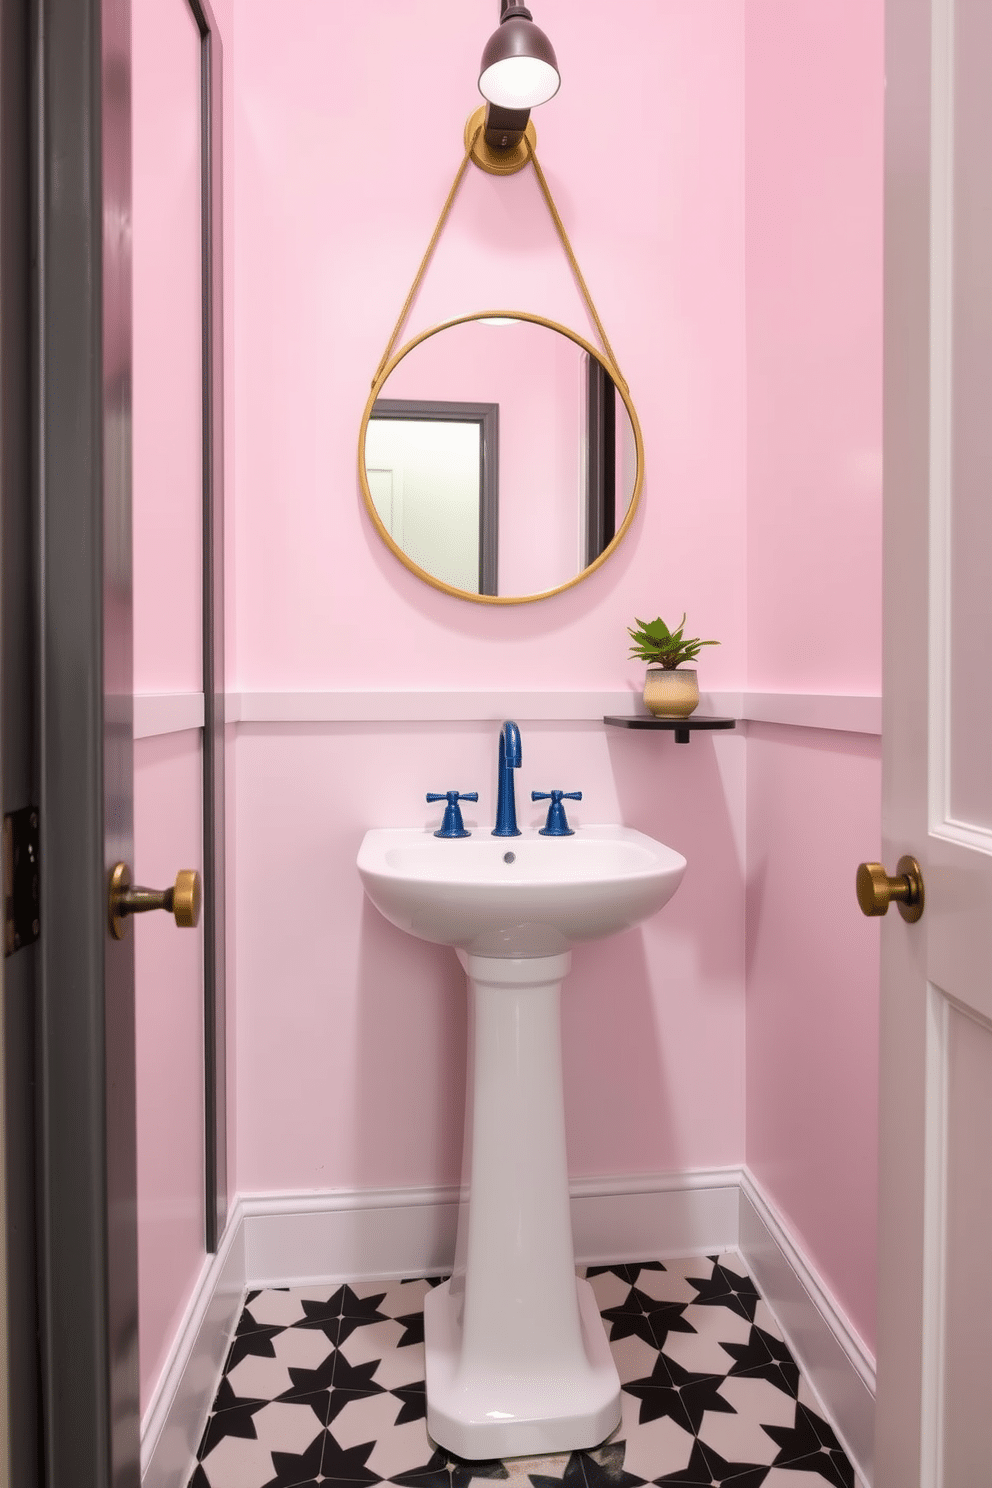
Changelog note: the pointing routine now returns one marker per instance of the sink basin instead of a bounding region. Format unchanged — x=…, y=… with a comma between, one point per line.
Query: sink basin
x=517, y=896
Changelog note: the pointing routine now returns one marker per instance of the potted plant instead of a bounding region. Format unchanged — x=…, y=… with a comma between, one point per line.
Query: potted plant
x=671, y=690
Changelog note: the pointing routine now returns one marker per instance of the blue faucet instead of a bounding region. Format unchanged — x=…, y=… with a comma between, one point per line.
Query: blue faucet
x=509, y=760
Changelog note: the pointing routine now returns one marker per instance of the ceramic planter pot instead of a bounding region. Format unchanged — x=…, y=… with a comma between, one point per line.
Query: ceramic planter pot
x=671, y=693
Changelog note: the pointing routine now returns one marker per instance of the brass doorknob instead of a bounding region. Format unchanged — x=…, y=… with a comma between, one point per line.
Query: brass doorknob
x=182, y=900
x=876, y=890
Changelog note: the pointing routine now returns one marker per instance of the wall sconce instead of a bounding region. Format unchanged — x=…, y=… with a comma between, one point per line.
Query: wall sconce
x=518, y=71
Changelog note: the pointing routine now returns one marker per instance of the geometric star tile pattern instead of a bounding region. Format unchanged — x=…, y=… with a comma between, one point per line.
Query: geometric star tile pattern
x=326, y=1385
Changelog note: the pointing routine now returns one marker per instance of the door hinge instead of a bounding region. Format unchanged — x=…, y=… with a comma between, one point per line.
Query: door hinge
x=21, y=879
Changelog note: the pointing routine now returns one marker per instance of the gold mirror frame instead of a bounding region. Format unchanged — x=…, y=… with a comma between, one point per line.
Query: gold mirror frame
x=421, y=573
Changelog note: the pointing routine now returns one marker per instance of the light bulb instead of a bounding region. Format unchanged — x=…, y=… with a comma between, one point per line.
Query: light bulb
x=519, y=82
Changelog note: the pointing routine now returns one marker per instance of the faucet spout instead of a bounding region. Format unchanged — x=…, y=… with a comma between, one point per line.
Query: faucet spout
x=509, y=760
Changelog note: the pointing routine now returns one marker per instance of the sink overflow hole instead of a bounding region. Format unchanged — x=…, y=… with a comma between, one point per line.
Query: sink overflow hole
x=509, y=857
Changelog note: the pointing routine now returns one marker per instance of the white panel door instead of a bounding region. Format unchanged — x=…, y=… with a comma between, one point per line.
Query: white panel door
x=935, y=1278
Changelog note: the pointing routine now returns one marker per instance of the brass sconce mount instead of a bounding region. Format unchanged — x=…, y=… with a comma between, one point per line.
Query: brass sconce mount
x=496, y=162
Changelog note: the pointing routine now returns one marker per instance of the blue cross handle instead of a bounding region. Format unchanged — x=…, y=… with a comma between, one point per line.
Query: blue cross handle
x=556, y=824
x=452, y=824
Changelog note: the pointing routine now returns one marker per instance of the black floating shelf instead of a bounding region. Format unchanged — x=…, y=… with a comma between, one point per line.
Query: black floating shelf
x=680, y=727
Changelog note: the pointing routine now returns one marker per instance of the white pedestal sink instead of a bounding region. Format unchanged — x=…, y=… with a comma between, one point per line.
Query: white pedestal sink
x=517, y=1359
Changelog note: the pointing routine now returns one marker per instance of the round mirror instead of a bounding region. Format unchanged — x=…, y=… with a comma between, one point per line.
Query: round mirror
x=499, y=458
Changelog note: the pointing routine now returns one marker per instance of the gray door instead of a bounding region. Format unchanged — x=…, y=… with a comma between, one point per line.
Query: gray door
x=18, y=772
x=68, y=1221
x=86, y=1096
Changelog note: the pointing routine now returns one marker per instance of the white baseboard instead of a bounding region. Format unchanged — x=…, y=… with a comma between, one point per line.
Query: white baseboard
x=299, y=1238
x=177, y=1413
x=832, y=1356
x=630, y=1217
x=296, y=1239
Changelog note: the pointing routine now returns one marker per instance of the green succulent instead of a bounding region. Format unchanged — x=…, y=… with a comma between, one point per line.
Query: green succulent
x=659, y=646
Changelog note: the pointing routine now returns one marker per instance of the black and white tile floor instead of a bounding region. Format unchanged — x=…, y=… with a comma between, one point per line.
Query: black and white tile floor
x=326, y=1384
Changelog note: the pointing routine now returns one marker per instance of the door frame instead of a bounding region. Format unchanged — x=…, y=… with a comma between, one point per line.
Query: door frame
x=86, y=1157
x=212, y=627
x=19, y=1461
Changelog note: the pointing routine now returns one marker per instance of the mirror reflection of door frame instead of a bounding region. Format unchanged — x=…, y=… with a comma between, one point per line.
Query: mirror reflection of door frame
x=214, y=949
x=486, y=415
x=601, y=459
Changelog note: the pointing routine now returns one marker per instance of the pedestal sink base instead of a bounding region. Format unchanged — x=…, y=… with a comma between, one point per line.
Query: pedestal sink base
x=561, y=1404
x=517, y=1356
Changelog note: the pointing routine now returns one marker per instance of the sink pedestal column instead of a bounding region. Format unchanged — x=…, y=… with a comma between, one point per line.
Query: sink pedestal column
x=518, y=1361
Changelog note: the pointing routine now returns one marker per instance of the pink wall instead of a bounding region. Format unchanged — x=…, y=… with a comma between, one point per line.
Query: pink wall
x=167, y=658
x=167, y=645
x=333, y=212
x=790, y=583
x=814, y=379
x=342, y=1022
x=350, y=1036
x=167, y=450
x=812, y=999
x=169, y=1040
x=813, y=156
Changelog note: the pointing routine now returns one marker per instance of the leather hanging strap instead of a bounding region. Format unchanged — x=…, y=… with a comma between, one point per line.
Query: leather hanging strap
x=570, y=255
x=445, y=211
x=613, y=369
